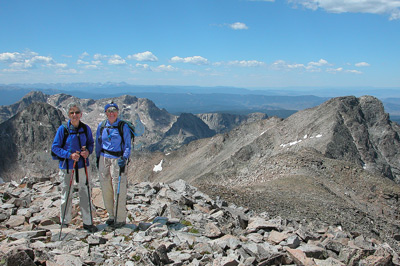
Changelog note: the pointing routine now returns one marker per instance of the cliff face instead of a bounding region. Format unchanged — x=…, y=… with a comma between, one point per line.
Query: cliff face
x=352, y=129
x=25, y=142
x=187, y=128
x=7, y=112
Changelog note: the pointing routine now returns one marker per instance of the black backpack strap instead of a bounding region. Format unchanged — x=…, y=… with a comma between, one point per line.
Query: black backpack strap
x=66, y=133
x=84, y=126
x=102, y=126
x=121, y=124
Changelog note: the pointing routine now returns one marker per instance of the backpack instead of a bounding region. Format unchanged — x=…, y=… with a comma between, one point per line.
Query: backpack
x=66, y=133
x=120, y=126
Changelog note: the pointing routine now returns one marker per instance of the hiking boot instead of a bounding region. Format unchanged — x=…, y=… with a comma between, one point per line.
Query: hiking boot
x=119, y=225
x=110, y=221
x=90, y=228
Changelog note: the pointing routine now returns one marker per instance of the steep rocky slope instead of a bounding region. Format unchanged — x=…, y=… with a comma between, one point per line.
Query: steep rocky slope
x=222, y=122
x=7, y=112
x=25, y=142
x=337, y=162
x=187, y=128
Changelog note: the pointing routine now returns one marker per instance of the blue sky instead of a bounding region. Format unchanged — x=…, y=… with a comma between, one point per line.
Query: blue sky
x=240, y=43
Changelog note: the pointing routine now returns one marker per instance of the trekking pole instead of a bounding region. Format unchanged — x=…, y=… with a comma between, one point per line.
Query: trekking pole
x=119, y=185
x=66, y=203
x=87, y=185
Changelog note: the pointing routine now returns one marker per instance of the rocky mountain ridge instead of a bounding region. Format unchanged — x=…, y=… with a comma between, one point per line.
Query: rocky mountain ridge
x=161, y=130
x=25, y=142
x=337, y=163
x=138, y=110
x=171, y=224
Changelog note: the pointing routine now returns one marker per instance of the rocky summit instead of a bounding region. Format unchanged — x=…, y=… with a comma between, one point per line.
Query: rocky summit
x=170, y=224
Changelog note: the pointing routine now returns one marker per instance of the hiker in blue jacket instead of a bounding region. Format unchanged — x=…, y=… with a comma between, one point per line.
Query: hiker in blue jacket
x=112, y=151
x=74, y=143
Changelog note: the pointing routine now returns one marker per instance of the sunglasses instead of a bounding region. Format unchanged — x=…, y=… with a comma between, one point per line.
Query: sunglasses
x=76, y=112
x=112, y=111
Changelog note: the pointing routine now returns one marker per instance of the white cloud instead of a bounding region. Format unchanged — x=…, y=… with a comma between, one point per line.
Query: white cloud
x=116, y=60
x=143, y=66
x=321, y=62
x=11, y=70
x=100, y=57
x=165, y=68
x=196, y=60
x=96, y=62
x=26, y=64
x=341, y=69
x=362, y=64
x=335, y=70
x=91, y=67
x=111, y=59
x=145, y=56
x=88, y=65
x=238, y=26
x=279, y=64
x=390, y=7
x=354, y=71
x=21, y=62
x=160, y=68
x=246, y=63
x=59, y=65
x=282, y=65
x=316, y=66
x=26, y=60
x=309, y=67
x=67, y=71
x=9, y=56
x=81, y=62
x=83, y=55
x=44, y=59
x=294, y=66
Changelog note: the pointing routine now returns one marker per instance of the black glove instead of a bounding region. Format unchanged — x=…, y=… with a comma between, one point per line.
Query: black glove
x=122, y=162
x=97, y=162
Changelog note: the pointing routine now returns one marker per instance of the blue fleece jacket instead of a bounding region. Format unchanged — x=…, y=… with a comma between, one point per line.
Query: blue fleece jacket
x=110, y=140
x=72, y=144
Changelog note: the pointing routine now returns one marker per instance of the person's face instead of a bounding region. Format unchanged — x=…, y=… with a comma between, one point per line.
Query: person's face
x=75, y=115
x=112, y=114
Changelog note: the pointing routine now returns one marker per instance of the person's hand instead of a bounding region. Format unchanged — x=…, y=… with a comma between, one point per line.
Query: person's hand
x=75, y=156
x=85, y=153
x=122, y=161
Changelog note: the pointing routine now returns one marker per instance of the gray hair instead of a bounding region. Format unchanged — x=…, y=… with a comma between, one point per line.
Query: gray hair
x=73, y=104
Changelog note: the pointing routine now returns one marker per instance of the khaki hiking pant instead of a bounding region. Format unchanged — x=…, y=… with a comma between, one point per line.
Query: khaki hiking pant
x=108, y=176
x=83, y=195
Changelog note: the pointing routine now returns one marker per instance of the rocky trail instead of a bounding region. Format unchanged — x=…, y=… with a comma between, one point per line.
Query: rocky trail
x=171, y=224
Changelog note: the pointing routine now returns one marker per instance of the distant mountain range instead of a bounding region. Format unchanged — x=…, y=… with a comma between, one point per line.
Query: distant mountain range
x=281, y=102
